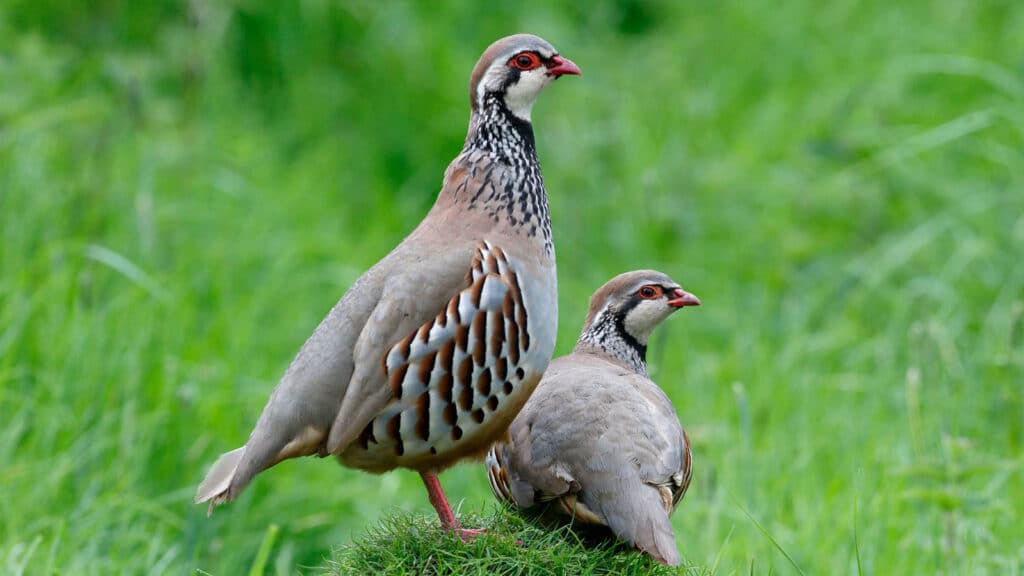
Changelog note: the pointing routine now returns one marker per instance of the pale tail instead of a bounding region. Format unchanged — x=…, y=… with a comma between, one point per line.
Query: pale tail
x=215, y=487
x=654, y=536
x=637, y=514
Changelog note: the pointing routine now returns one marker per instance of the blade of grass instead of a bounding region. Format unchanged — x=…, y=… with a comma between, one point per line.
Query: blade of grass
x=771, y=539
x=856, y=540
x=263, y=554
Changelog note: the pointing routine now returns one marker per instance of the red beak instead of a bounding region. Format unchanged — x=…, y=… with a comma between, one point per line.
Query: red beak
x=562, y=66
x=682, y=298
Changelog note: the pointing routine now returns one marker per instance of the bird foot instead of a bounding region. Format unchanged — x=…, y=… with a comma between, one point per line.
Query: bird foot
x=467, y=535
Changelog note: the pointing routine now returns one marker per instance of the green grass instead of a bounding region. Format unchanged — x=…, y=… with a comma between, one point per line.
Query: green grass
x=187, y=188
x=404, y=544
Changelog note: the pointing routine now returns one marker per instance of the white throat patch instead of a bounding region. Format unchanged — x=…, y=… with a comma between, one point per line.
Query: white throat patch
x=519, y=97
x=644, y=318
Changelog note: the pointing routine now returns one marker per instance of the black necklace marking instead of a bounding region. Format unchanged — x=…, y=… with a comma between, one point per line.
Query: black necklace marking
x=511, y=184
x=608, y=332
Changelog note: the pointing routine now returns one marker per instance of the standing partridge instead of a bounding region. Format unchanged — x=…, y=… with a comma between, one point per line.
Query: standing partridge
x=598, y=441
x=433, y=351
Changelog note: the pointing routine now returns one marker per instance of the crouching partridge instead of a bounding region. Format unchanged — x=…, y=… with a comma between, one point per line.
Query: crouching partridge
x=433, y=351
x=599, y=442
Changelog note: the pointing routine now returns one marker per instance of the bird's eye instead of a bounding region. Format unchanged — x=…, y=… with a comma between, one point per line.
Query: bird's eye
x=649, y=292
x=525, y=61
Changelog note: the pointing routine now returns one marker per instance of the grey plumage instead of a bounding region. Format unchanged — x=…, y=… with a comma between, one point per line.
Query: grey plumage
x=599, y=441
x=492, y=201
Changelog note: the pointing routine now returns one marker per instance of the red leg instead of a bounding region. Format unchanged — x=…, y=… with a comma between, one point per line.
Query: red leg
x=439, y=502
x=444, y=511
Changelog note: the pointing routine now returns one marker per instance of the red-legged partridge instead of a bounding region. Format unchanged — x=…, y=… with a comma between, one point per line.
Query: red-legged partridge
x=433, y=351
x=598, y=441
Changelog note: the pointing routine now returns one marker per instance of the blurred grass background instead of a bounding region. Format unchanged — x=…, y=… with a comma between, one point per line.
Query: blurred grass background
x=186, y=187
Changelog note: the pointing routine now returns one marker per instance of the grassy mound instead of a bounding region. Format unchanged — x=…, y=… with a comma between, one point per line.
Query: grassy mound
x=413, y=544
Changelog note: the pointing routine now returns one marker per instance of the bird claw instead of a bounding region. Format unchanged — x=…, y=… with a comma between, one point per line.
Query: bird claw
x=467, y=535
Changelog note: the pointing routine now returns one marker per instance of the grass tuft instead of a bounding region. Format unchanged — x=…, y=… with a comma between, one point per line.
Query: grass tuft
x=414, y=544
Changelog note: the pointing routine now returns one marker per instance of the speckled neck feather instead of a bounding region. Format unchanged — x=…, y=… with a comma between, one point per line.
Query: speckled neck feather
x=500, y=155
x=608, y=334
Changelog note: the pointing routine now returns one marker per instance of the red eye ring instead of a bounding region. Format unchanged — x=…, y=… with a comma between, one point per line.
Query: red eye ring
x=649, y=292
x=525, y=61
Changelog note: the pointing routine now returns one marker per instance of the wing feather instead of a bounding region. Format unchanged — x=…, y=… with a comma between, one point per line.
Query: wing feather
x=445, y=367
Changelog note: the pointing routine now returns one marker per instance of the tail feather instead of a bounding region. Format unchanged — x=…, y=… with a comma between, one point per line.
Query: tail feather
x=216, y=487
x=655, y=537
x=637, y=514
